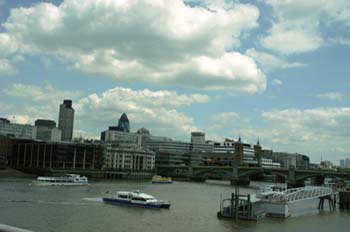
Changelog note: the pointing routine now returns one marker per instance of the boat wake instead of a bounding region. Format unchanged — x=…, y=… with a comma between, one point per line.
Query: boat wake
x=50, y=202
x=94, y=199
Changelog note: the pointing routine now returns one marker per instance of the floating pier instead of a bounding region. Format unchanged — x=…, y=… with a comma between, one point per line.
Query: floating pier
x=276, y=203
x=240, y=207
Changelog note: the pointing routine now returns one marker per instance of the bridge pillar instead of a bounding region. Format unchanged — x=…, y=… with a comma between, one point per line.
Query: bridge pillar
x=295, y=184
x=190, y=172
x=242, y=181
x=317, y=180
x=291, y=181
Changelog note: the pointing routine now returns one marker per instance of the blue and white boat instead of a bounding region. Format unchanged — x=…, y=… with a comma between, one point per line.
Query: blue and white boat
x=137, y=199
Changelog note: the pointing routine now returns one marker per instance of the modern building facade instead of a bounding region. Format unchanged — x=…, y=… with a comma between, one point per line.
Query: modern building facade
x=127, y=158
x=55, y=155
x=47, y=130
x=66, y=120
x=197, y=137
x=233, y=151
x=123, y=124
x=115, y=136
x=345, y=163
x=16, y=130
x=5, y=150
x=287, y=159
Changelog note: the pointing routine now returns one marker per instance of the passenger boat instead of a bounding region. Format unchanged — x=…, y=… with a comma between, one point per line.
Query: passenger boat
x=68, y=179
x=137, y=199
x=161, y=180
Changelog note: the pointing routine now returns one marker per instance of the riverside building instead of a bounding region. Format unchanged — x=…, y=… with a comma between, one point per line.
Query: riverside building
x=47, y=130
x=34, y=154
x=224, y=153
x=128, y=158
x=16, y=130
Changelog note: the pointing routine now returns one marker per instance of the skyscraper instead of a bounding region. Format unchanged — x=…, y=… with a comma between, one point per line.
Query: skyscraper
x=66, y=120
x=123, y=123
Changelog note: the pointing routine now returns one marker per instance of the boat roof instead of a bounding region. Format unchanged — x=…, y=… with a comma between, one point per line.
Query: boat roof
x=135, y=193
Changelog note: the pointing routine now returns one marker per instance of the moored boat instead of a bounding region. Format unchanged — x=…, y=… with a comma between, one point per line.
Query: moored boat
x=68, y=179
x=137, y=199
x=161, y=180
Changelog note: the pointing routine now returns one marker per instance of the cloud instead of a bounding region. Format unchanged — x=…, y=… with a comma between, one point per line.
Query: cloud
x=270, y=62
x=331, y=96
x=296, y=23
x=40, y=93
x=318, y=121
x=18, y=118
x=6, y=67
x=340, y=40
x=315, y=132
x=159, y=42
x=159, y=111
x=156, y=110
x=37, y=101
x=277, y=82
x=226, y=117
x=291, y=41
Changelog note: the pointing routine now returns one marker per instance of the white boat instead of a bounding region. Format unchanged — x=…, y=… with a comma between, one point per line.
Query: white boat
x=68, y=179
x=137, y=199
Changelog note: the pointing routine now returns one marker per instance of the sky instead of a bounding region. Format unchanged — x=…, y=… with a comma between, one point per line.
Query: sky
x=273, y=70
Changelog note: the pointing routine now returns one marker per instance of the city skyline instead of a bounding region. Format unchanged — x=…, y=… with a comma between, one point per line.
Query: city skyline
x=256, y=69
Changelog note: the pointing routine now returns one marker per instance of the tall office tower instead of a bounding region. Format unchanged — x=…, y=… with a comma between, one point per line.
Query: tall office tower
x=123, y=123
x=66, y=120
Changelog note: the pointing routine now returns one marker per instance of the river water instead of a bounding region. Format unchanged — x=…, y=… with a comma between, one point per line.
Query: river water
x=194, y=208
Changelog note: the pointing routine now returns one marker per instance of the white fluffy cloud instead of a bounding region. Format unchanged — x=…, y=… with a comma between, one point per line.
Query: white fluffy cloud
x=150, y=41
x=6, y=67
x=226, y=117
x=19, y=118
x=277, y=82
x=340, y=40
x=270, y=62
x=296, y=25
x=331, y=96
x=318, y=122
x=156, y=110
x=7, y=49
x=315, y=132
x=37, y=101
x=46, y=92
x=291, y=41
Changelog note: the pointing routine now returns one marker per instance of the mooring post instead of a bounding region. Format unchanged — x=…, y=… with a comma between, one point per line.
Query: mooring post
x=236, y=202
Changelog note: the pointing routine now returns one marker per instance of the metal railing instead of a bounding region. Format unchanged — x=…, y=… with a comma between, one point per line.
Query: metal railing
x=304, y=193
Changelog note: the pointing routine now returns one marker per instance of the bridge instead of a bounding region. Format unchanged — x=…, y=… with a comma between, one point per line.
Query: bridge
x=241, y=175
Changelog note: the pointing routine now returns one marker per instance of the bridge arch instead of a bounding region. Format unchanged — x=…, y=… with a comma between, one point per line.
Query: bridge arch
x=205, y=173
x=247, y=173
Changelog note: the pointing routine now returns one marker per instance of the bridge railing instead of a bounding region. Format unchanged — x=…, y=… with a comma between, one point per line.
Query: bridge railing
x=299, y=194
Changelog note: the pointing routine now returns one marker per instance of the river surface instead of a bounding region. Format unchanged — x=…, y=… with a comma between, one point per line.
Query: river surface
x=194, y=208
